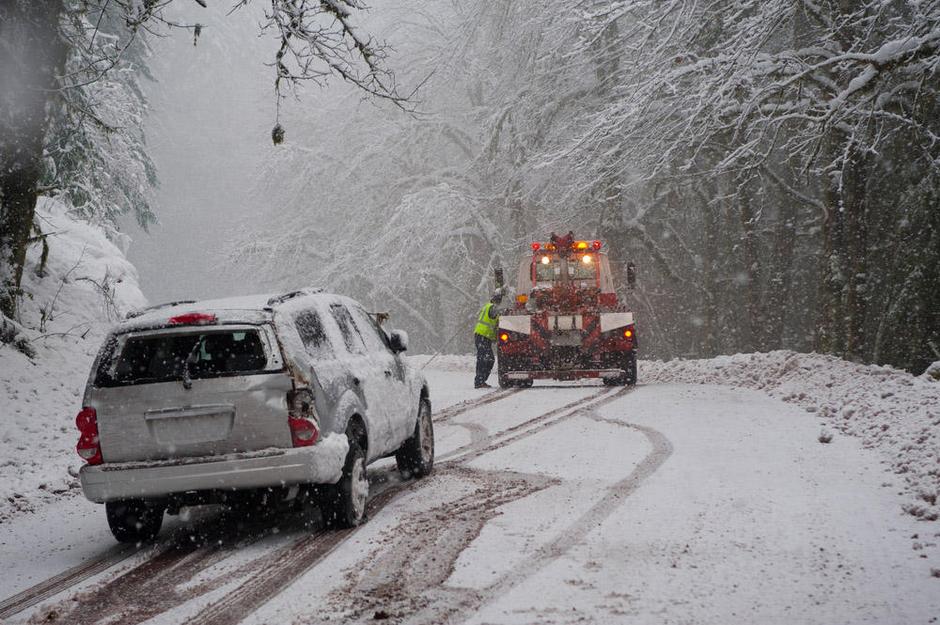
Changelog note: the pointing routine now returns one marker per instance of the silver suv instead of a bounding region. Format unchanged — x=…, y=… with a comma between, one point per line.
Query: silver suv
x=217, y=401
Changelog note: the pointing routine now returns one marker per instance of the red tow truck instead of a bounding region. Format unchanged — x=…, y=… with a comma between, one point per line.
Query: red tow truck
x=567, y=322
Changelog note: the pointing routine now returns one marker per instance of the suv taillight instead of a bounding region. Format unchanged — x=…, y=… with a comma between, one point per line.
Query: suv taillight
x=88, y=446
x=302, y=418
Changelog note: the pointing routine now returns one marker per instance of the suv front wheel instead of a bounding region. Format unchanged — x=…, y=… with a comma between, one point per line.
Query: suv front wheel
x=134, y=520
x=416, y=455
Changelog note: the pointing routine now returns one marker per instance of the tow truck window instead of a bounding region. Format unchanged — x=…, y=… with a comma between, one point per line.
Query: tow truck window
x=547, y=272
x=577, y=269
x=580, y=270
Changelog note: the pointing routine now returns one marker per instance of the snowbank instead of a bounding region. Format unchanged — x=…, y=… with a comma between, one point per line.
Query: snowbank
x=889, y=410
x=86, y=284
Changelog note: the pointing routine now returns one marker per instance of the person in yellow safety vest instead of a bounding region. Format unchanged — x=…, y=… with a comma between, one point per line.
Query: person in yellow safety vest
x=484, y=333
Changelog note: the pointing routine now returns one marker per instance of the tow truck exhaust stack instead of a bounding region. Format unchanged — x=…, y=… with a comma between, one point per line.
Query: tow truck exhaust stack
x=567, y=322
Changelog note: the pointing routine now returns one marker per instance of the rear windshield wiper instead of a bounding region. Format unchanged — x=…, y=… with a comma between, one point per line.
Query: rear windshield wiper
x=187, y=377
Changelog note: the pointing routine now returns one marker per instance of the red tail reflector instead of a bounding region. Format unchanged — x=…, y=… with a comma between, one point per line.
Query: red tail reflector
x=303, y=432
x=536, y=247
x=88, y=446
x=193, y=319
x=302, y=418
x=596, y=245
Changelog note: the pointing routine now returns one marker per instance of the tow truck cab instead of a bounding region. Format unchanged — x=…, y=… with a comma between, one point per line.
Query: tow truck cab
x=567, y=321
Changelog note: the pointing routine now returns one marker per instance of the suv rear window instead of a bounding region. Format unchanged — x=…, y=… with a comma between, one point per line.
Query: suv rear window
x=164, y=357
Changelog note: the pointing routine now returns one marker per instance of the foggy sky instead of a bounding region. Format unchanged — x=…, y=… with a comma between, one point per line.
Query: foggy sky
x=212, y=109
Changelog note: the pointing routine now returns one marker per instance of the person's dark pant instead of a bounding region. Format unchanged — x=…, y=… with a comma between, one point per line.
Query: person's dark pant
x=485, y=358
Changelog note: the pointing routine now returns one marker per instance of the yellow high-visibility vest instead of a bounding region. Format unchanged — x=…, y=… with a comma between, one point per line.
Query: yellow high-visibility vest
x=486, y=325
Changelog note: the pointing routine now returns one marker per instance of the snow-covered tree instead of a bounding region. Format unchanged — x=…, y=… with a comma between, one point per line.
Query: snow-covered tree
x=95, y=156
x=771, y=166
x=58, y=53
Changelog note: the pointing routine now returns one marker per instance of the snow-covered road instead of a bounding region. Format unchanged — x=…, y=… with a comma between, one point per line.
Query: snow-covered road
x=666, y=503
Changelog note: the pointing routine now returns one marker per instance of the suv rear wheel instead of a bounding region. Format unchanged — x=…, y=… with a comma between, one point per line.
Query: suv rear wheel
x=416, y=456
x=344, y=503
x=134, y=520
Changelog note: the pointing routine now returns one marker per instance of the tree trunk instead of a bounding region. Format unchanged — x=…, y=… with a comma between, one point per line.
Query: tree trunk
x=856, y=257
x=753, y=325
x=780, y=283
x=830, y=338
x=31, y=58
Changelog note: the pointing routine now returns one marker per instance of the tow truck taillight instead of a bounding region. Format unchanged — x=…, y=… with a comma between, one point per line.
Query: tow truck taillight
x=628, y=333
x=88, y=446
x=504, y=337
x=302, y=418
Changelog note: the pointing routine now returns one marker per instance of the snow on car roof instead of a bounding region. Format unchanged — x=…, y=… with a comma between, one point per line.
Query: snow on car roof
x=242, y=308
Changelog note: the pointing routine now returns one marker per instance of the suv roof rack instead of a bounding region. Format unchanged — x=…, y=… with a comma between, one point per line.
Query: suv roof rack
x=136, y=313
x=280, y=299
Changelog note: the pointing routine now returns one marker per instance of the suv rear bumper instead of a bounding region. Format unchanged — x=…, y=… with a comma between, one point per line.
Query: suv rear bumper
x=319, y=464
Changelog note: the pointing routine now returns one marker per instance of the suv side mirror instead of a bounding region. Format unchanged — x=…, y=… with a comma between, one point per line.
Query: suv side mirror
x=398, y=341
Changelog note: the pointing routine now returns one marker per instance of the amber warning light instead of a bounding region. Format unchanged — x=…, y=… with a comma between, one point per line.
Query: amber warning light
x=576, y=245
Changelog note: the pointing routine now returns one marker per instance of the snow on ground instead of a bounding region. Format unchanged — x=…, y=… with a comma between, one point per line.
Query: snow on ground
x=450, y=378
x=747, y=519
x=676, y=502
x=888, y=410
x=86, y=285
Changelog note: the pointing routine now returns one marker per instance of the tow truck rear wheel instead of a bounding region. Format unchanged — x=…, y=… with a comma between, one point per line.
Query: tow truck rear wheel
x=503, y=367
x=628, y=378
x=505, y=382
x=631, y=370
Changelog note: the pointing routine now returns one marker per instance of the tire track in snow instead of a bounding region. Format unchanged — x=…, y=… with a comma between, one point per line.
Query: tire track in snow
x=282, y=569
x=405, y=574
x=478, y=433
x=410, y=600
x=180, y=543
x=157, y=584
x=112, y=557
x=64, y=580
x=276, y=571
x=613, y=498
x=469, y=404
x=527, y=428
x=149, y=588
